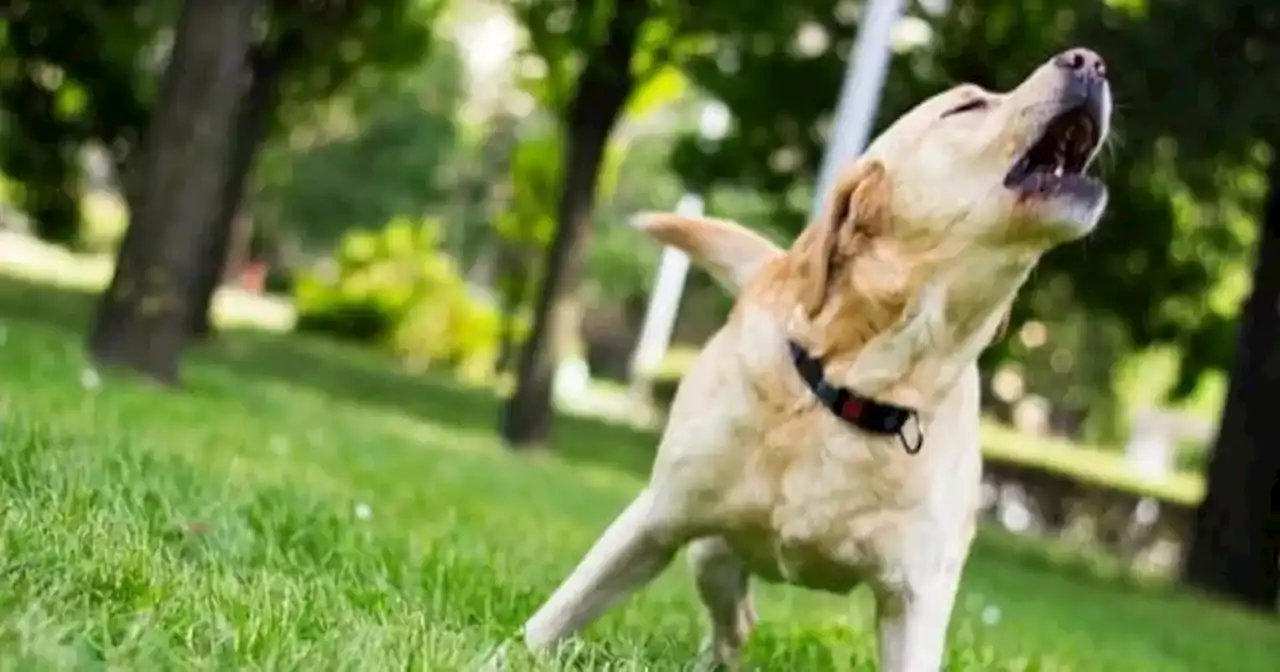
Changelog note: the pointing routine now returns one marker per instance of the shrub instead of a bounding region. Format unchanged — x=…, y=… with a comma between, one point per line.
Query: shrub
x=395, y=289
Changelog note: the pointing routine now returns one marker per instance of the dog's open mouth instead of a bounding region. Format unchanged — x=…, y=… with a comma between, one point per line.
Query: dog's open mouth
x=1057, y=161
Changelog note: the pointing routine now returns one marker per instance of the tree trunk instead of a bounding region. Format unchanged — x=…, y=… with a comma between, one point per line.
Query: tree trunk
x=603, y=88
x=1235, y=547
x=252, y=120
x=513, y=279
x=141, y=319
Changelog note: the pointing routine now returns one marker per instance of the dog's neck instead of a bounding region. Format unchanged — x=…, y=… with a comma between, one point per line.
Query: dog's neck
x=903, y=328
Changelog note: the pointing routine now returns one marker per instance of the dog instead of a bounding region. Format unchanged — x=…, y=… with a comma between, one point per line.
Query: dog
x=827, y=435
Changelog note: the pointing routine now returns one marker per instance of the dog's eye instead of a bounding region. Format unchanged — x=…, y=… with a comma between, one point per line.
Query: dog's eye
x=967, y=106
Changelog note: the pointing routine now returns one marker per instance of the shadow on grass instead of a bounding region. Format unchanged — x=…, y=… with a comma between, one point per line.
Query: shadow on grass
x=67, y=309
x=350, y=375
x=368, y=378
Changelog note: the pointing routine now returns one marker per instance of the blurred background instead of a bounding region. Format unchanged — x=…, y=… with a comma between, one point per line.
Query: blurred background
x=442, y=188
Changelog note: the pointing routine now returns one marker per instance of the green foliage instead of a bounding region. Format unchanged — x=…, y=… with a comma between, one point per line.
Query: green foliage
x=306, y=506
x=374, y=152
x=561, y=35
x=395, y=288
x=70, y=75
x=525, y=229
x=561, y=31
x=536, y=167
x=633, y=177
x=332, y=44
x=622, y=261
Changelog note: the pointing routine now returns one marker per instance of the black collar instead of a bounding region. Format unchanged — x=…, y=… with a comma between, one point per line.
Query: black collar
x=862, y=412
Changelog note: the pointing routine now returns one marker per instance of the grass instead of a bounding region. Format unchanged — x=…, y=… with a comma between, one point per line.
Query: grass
x=301, y=506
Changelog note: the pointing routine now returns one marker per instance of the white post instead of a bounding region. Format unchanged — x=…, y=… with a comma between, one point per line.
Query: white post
x=664, y=301
x=859, y=95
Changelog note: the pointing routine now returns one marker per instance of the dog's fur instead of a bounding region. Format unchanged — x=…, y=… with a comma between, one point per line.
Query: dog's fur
x=898, y=288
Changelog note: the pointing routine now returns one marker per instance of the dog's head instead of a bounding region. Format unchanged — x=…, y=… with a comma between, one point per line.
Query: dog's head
x=969, y=170
x=965, y=191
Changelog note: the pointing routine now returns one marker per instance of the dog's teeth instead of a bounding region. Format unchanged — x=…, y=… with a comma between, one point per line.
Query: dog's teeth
x=1057, y=172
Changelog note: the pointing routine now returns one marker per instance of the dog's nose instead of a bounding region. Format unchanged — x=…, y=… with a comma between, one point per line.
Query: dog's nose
x=1083, y=62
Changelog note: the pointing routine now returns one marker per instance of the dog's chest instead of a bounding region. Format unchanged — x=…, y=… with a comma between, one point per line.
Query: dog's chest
x=829, y=509
x=806, y=562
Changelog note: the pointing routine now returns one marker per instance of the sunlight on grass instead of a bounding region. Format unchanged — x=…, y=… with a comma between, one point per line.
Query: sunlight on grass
x=1090, y=465
x=29, y=259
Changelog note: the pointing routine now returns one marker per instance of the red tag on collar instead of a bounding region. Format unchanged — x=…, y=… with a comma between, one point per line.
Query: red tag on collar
x=851, y=409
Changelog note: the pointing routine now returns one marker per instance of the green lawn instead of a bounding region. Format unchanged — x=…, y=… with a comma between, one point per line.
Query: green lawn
x=301, y=506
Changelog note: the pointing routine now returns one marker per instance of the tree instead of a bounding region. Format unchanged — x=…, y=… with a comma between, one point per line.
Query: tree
x=140, y=321
x=611, y=71
x=268, y=62
x=298, y=63
x=1235, y=547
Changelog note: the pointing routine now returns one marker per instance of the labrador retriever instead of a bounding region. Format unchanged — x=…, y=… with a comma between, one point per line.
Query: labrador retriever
x=827, y=435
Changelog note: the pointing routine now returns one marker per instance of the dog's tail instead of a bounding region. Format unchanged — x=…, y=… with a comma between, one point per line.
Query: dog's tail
x=730, y=252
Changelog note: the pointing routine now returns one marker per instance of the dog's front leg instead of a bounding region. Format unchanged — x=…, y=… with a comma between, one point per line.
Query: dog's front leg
x=912, y=623
x=635, y=548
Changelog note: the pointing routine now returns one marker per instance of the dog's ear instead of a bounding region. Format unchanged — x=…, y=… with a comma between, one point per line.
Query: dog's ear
x=730, y=252
x=857, y=213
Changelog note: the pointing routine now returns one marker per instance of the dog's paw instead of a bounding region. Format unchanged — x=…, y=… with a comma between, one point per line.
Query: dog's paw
x=715, y=656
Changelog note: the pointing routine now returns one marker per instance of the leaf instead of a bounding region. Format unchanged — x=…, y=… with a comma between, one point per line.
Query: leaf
x=665, y=87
